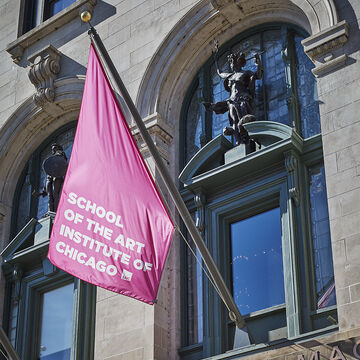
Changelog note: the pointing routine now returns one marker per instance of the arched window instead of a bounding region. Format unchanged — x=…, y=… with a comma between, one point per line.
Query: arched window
x=264, y=216
x=26, y=205
x=49, y=314
x=286, y=94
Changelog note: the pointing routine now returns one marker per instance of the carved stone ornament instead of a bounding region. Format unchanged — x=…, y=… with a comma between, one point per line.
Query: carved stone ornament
x=17, y=276
x=44, y=68
x=325, y=48
x=199, y=200
x=291, y=165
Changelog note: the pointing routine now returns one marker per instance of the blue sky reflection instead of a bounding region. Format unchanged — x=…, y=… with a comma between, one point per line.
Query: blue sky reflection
x=257, y=264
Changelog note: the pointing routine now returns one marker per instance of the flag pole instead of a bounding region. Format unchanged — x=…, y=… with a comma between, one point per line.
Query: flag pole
x=5, y=342
x=226, y=296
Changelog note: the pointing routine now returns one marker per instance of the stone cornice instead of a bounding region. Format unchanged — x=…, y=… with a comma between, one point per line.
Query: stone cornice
x=17, y=47
x=326, y=40
x=321, y=48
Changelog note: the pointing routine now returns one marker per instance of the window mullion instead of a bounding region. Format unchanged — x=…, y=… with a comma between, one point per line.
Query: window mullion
x=201, y=99
x=263, y=80
x=290, y=62
x=32, y=179
x=39, y=12
x=309, y=263
x=206, y=116
x=291, y=261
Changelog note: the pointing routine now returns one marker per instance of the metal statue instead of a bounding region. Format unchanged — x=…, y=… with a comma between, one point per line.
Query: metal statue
x=55, y=168
x=241, y=86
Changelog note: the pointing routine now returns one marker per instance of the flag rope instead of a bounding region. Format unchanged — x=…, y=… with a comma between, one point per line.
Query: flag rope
x=204, y=270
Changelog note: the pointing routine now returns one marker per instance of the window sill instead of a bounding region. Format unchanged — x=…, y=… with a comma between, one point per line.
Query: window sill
x=257, y=348
x=16, y=48
x=324, y=310
x=265, y=312
x=188, y=352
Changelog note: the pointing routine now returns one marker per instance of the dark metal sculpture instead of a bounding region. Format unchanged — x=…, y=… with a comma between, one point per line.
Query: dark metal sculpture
x=241, y=86
x=55, y=168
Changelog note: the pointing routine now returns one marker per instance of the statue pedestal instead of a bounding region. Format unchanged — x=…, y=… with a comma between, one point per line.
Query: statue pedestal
x=43, y=228
x=239, y=152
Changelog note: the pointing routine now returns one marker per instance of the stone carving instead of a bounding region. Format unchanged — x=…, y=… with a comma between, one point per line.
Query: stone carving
x=199, y=200
x=55, y=168
x=291, y=165
x=43, y=71
x=241, y=86
x=325, y=48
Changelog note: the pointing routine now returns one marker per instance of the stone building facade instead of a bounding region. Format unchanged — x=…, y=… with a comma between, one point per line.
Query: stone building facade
x=162, y=50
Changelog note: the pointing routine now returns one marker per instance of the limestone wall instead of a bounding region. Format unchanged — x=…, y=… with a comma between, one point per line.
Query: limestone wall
x=157, y=55
x=339, y=95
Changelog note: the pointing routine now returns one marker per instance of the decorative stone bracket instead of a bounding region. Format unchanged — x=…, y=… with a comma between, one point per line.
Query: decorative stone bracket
x=325, y=48
x=291, y=164
x=44, y=68
x=17, y=276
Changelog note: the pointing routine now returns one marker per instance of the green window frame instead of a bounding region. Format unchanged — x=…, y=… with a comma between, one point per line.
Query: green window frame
x=22, y=308
x=276, y=175
x=222, y=212
x=299, y=316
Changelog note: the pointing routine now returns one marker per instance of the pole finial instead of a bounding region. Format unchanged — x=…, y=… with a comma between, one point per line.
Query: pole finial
x=85, y=16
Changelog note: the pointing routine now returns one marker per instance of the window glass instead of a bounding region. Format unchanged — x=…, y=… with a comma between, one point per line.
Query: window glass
x=58, y=5
x=307, y=93
x=324, y=270
x=24, y=203
x=56, y=323
x=193, y=126
x=37, y=11
x=219, y=121
x=274, y=78
x=30, y=15
x=271, y=92
x=256, y=261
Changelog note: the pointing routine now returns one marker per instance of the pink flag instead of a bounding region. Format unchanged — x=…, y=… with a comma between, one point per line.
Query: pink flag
x=111, y=227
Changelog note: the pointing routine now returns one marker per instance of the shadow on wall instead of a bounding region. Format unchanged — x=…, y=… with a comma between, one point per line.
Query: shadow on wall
x=69, y=67
x=346, y=12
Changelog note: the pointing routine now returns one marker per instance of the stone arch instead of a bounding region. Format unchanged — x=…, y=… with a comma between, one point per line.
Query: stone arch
x=25, y=130
x=322, y=14
x=189, y=44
